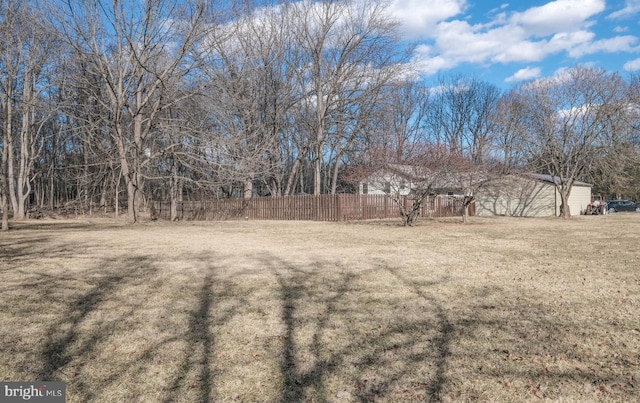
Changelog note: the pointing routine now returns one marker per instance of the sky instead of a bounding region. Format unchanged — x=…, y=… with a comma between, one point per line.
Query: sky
x=506, y=43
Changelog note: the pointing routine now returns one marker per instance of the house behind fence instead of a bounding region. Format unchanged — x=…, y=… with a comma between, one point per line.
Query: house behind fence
x=338, y=207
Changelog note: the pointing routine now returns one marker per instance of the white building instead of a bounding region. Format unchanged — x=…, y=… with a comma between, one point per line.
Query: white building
x=403, y=179
x=532, y=195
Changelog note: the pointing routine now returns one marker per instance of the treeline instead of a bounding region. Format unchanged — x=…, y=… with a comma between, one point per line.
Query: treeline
x=105, y=105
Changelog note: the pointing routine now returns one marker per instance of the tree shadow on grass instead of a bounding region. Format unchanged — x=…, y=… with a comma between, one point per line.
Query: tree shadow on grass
x=442, y=341
x=372, y=358
x=536, y=347
x=88, y=313
x=200, y=346
x=12, y=249
x=65, y=341
x=20, y=228
x=190, y=372
x=29, y=249
x=338, y=339
x=292, y=292
x=83, y=316
x=330, y=342
x=196, y=370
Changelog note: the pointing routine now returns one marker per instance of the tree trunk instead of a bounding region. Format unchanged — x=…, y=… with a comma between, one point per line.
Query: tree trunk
x=334, y=176
x=176, y=196
x=294, y=171
x=28, y=148
x=11, y=177
x=465, y=204
x=317, y=171
x=51, y=178
x=565, y=210
x=3, y=182
x=117, y=195
x=103, y=193
x=24, y=169
x=4, y=169
x=248, y=187
x=276, y=186
x=131, y=201
x=409, y=213
x=130, y=169
x=319, y=137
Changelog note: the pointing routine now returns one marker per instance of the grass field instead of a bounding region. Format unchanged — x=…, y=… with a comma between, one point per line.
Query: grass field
x=498, y=309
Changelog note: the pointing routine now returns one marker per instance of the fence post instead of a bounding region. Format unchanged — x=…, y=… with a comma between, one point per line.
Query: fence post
x=386, y=206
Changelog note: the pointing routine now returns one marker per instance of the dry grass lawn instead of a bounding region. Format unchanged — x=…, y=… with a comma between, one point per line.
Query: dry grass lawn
x=498, y=309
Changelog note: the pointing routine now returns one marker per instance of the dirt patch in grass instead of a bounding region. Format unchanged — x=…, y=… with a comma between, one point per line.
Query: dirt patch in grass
x=498, y=309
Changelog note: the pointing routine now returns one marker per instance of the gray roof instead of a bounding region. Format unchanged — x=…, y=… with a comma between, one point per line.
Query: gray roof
x=554, y=179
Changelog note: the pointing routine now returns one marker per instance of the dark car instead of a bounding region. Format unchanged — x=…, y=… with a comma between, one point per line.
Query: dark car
x=613, y=206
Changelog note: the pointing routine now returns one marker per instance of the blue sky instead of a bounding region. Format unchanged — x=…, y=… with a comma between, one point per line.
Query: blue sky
x=505, y=43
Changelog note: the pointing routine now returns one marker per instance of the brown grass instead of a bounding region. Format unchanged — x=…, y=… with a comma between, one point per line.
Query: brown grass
x=495, y=310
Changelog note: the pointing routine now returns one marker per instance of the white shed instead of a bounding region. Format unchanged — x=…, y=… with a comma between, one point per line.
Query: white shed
x=532, y=195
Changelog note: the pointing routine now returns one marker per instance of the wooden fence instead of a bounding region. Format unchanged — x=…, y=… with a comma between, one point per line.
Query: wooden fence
x=339, y=207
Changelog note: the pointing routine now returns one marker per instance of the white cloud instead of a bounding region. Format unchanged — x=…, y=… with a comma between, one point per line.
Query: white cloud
x=419, y=18
x=521, y=51
x=525, y=50
x=459, y=42
x=633, y=65
x=429, y=63
x=499, y=8
x=559, y=26
x=563, y=74
x=611, y=45
x=527, y=73
x=565, y=15
x=631, y=7
x=569, y=40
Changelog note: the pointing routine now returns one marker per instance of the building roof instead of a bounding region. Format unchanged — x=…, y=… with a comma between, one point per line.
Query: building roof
x=554, y=179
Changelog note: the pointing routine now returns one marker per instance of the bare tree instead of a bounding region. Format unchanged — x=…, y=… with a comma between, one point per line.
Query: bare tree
x=510, y=131
x=349, y=48
x=569, y=120
x=6, y=107
x=617, y=174
x=249, y=67
x=463, y=119
x=27, y=43
x=461, y=115
x=400, y=157
x=138, y=50
x=165, y=99
x=470, y=177
x=413, y=182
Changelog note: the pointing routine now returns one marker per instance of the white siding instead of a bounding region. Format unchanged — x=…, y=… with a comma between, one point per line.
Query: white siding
x=372, y=189
x=377, y=184
x=525, y=197
x=516, y=196
x=579, y=198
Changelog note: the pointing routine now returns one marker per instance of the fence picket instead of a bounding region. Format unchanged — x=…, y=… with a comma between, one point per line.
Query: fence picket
x=338, y=207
